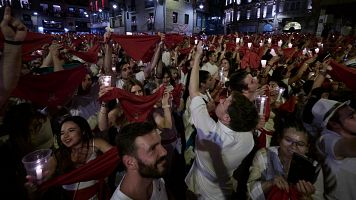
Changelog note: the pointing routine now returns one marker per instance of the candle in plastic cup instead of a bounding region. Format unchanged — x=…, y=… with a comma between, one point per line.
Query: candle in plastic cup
x=280, y=92
x=290, y=45
x=260, y=104
x=263, y=63
x=249, y=45
x=195, y=41
x=105, y=80
x=273, y=52
x=36, y=164
x=269, y=40
x=237, y=40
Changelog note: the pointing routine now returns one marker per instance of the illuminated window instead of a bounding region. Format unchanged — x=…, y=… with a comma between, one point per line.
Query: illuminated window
x=248, y=14
x=258, y=12
x=238, y=2
x=274, y=10
x=264, y=11
x=238, y=15
x=175, y=17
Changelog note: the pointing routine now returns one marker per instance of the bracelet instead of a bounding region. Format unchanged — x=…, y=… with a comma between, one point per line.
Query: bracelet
x=13, y=42
x=166, y=106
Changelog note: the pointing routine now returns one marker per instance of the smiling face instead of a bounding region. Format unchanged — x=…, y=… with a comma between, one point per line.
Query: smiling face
x=150, y=155
x=293, y=141
x=71, y=134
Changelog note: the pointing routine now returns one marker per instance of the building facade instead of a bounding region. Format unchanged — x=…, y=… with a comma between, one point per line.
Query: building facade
x=258, y=16
x=148, y=16
x=50, y=16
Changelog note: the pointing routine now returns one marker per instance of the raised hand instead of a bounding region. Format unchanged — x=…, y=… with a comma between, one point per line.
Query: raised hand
x=12, y=29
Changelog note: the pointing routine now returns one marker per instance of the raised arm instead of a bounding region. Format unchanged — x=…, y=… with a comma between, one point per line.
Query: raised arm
x=10, y=65
x=154, y=60
x=194, y=76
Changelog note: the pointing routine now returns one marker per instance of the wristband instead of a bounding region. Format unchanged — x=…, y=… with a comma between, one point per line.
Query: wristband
x=13, y=42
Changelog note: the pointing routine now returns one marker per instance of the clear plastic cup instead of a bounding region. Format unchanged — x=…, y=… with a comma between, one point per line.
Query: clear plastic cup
x=36, y=164
x=105, y=80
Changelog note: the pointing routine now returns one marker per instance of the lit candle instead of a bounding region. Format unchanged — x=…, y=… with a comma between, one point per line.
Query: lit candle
x=195, y=41
x=280, y=43
x=113, y=69
x=280, y=92
x=237, y=40
x=249, y=45
x=269, y=40
x=263, y=63
x=273, y=52
x=290, y=45
x=305, y=51
x=105, y=80
x=261, y=44
x=262, y=105
x=222, y=79
x=321, y=45
x=39, y=172
x=316, y=50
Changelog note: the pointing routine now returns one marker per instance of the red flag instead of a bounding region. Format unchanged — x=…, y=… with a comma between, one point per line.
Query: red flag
x=136, y=108
x=90, y=56
x=342, y=73
x=136, y=46
x=51, y=89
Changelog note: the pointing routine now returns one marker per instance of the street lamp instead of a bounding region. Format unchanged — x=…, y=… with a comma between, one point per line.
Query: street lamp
x=100, y=10
x=114, y=6
x=201, y=6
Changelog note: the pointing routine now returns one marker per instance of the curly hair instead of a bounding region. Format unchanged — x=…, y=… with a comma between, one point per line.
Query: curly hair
x=242, y=112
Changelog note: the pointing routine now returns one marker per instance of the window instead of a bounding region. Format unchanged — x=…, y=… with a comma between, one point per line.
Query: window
x=149, y=3
x=238, y=15
x=71, y=10
x=150, y=21
x=258, y=14
x=44, y=7
x=133, y=19
x=248, y=14
x=186, y=19
x=175, y=17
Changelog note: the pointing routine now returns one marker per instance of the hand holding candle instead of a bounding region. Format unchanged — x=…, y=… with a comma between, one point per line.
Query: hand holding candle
x=36, y=164
x=105, y=80
x=237, y=40
x=263, y=63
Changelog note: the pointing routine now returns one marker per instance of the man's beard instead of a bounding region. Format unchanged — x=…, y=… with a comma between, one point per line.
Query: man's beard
x=152, y=171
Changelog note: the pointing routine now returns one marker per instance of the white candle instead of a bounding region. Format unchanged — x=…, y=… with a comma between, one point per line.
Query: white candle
x=280, y=43
x=263, y=63
x=249, y=45
x=261, y=44
x=222, y=74
x=39, y=172
x=273, y=52
x=262, y=105
x=305, y=51
x=280, y=92
x=237, y=40
x=290, y=45
x=321, y=45
x=195, y=41
x=269, y=40
x=316, y=50
x=113, y=69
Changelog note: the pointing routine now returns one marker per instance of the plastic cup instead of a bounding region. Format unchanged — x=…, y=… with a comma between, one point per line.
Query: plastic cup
x=36, y=164
x=105, y=80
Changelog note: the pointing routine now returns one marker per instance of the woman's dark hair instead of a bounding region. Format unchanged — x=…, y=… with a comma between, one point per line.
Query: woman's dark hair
x=284, y=123
x=130, y=83
x=63, y=154
x=236, y=82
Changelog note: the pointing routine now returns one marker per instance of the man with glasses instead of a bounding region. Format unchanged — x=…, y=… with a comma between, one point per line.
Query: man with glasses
x=338, y=144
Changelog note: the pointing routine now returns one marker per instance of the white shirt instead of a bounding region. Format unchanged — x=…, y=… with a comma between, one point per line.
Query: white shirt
x=140, y=76
x=340, y=178
x=158, y=192
x=219, y=151
x=212, y=68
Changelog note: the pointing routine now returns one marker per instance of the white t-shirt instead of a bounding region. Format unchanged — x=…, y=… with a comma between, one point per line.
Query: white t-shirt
x=212, y=68
x=140, y=76
x=219, y=151
x=158, y=192
x=340, y=178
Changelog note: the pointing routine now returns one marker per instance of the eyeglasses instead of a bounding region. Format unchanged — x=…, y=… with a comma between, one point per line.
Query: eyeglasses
x=290, y=141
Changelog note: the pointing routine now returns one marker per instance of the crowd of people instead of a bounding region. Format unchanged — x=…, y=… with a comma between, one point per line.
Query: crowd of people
x=170, y=116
